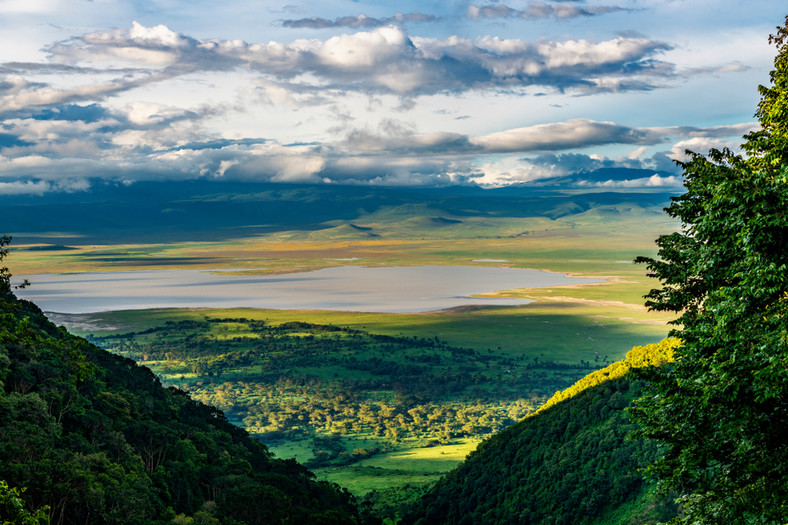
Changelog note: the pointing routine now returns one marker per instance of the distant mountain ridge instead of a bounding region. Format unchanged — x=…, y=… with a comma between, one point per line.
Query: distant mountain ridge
x=206, y=209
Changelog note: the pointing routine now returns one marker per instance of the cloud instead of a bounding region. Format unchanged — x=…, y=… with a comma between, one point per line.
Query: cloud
x=569, y=163
x=576, y=133
x=392, y=136
x=394, y=153
x=222, y=143
x=18, y=94
x=618, y=64
x=700, y=145
x=556, y=136
x=144, y=140
x=539, y=10
x=382, y=60
x=731, y=67
x=579, y=171
x=391, y=170
x=654, y=181
x=733, y=130
x=86, y=141
x=358, y=21
x=510, y=170
x=637, y=153
x=156, y=46
x=277, y=165
x=40, y=187
x=395, y=137
x=25, y=188
x=573, y=163
x=55, y=129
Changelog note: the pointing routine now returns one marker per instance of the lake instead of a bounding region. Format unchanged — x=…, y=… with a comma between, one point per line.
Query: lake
x=351, y=288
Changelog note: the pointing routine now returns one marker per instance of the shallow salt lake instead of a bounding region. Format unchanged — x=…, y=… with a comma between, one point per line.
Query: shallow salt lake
x=351, y=288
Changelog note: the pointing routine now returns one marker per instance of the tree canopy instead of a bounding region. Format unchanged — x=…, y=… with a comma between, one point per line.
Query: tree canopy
x=5, y=274
x=721, y=410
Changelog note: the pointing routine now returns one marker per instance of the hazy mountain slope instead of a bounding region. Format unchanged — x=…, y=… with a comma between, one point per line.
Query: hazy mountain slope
x=114, y=213
x=570, y=464
x=97, y=439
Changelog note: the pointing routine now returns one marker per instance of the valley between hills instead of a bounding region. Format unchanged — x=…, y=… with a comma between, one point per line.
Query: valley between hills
x=386, y=403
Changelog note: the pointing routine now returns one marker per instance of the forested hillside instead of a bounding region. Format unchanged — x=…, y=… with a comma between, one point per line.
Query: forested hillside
x=94, y=438
x=571, y=464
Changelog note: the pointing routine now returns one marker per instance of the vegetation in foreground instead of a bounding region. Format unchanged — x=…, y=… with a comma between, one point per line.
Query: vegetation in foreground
x=720, y=410
x=90, y=437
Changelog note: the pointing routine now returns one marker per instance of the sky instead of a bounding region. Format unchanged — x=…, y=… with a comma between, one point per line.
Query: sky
x=420, y=93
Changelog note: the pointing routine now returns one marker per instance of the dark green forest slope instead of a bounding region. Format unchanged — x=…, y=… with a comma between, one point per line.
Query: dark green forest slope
x=571, y=464
x=97, y=439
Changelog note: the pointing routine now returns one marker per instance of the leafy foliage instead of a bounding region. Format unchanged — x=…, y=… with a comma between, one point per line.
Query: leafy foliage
x=13, y=511
x=94, y=438
x=722, y=407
